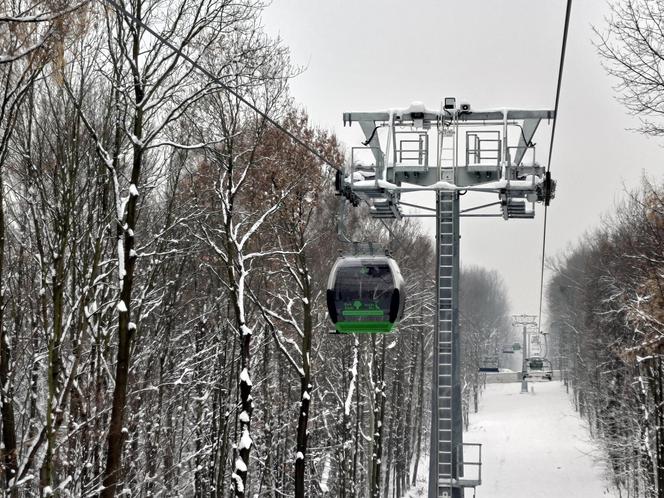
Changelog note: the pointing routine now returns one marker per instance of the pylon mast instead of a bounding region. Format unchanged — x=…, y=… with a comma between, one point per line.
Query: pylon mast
x=524, y=321
x=481, y=160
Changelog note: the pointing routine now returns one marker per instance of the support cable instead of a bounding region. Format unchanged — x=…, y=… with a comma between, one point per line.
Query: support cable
x=560, y=80
x=563, y=49
x=205, y=72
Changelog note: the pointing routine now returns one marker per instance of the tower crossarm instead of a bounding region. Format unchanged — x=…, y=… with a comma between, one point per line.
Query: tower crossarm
x=405, y=116
x=452, y=149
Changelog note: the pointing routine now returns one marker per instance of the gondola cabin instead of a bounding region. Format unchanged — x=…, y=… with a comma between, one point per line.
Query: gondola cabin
x=365, y=294
x=535, y=364
x=538, y=368
x=490, y=364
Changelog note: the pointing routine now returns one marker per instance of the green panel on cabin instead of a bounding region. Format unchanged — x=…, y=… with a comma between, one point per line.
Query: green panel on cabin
x=362, y=313
x=364, y=327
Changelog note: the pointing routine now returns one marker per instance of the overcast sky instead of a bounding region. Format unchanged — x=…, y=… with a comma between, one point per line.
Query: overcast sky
x=366, y=55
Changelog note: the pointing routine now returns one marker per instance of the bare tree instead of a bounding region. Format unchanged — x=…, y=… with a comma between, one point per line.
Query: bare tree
x=632, y=47
x=153, y=92
x=241, y=214
x=484, y=324
x=299, y=226
x=606, y=297
x=35, y=30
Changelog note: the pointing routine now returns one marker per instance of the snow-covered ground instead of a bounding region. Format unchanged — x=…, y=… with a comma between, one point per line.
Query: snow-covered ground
x=533, y=446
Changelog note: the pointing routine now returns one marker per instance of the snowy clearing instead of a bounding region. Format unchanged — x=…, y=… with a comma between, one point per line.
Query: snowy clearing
x=533, y=446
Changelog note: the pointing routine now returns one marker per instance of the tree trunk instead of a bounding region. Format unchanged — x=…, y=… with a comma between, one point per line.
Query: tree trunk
x=126, y=252
x=379, y=410
x=9, y=456
x=419, y=412
x=247, y=409
x=305, y=385
x=411, y=417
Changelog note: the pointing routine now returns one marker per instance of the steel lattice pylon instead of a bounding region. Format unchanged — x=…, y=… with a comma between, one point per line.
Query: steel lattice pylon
x=491, y=165
x=446, y=422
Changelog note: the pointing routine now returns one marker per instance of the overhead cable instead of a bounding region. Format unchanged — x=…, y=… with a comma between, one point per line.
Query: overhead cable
x=548, y=167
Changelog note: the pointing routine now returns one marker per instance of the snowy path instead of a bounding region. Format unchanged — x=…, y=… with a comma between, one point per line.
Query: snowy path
x=533, y=446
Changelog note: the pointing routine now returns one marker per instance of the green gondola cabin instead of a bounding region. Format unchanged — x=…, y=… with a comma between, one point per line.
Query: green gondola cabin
x=365, y=294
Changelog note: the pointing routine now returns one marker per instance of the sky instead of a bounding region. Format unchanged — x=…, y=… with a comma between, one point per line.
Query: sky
x=368, y=55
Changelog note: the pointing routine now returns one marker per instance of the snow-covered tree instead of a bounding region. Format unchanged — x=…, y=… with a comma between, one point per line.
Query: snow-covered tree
x=605, y=301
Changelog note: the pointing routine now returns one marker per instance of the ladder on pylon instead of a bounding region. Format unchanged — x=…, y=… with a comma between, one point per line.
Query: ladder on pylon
x=444, y=439
x=445, y=298
x=446, y=157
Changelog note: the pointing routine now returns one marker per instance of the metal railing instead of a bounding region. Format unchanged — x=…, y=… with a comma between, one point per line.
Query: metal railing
x=465, y=463
x=411, y=151
x=483, y=148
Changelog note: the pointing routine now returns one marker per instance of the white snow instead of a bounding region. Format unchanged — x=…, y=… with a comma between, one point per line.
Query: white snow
x=416, y=106
x=533, y=446
x=240, y=465
x=245, y=440
x=363, y=164
x=359, y=176
x=133, y=191
x=135, y=140
x=325, y=475
x=299, y=456
x=371, y=184
x=244, y=377
x=306, y=396
x=443, y=185
x=244, y=417
x=528, y=184
x=239, y=485
x=351, y=388
x=66, y=482
x=122, y=307
x=121, y=262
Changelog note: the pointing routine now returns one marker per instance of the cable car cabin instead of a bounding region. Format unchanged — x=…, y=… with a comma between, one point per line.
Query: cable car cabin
x=538, y=368
x=365, y=294
x=490, y=363
x=535, y=364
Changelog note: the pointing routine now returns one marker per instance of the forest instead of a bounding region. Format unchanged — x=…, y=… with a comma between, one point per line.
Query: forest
x=164, y=252
x=606, y=297
x=607, y=304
